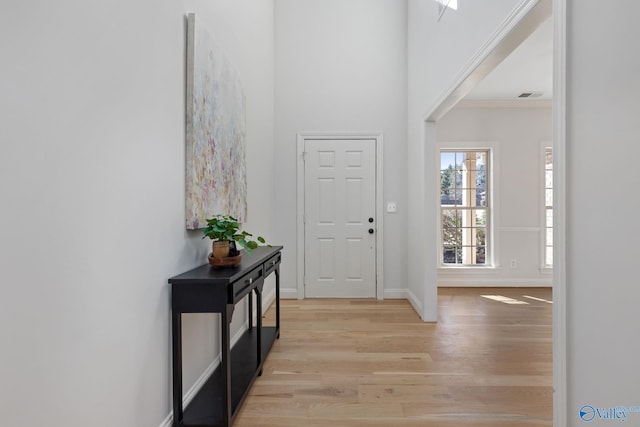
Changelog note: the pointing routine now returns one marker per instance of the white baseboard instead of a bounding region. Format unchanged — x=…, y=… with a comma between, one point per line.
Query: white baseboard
x=415, y=302
x=489, y=282
x=289, y=293
x=167, y=422
x=395, y=293
x=195, y=388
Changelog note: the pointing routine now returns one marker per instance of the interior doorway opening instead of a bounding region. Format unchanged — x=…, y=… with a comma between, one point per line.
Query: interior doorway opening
x=503, y=44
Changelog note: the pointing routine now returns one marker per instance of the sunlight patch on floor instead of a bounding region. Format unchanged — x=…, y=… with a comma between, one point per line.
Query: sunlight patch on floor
x=538, y=299
x=504, y=299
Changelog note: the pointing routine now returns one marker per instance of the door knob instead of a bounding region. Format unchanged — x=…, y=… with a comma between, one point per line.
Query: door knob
x=371, y=231
x=370, y=219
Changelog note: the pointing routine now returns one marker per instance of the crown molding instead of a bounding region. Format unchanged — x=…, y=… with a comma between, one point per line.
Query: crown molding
x=505, y=103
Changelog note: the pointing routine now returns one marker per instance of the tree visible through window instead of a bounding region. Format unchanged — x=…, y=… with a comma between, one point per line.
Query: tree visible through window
x=464, y=206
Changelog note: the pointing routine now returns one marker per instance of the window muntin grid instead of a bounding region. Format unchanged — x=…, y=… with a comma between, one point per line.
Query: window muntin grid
x=464, y=205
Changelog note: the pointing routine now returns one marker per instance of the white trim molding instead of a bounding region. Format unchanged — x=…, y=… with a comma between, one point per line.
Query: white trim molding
x=520, y=24
x=505, y=103
x=488, y=282
x=415, y=302
x=559, y=213
x=542, y=250
x=289, y=293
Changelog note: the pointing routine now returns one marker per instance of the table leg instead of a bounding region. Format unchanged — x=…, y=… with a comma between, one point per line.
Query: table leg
x=225, y=319
x=250, y=310
x=277, y=273
x=176, y=346
x=259, y=325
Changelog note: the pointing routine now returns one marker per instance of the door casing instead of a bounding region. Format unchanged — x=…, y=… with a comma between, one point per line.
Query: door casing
x=379, y=235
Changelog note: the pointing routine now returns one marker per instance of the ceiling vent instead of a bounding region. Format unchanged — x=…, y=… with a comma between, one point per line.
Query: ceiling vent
x=530, y=95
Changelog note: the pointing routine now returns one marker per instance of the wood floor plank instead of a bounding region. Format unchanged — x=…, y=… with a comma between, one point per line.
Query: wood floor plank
x=357, y=363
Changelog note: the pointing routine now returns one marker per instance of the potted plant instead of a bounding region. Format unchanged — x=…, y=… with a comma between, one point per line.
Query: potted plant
x=225, y=232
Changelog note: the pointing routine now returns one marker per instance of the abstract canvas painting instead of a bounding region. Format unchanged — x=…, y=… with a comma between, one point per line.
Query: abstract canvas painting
x=216, y=180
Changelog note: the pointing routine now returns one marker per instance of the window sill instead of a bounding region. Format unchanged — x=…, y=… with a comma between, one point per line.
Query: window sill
x=468, y=268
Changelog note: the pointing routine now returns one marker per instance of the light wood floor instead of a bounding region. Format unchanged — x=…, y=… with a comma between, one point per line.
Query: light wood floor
x=374, y=363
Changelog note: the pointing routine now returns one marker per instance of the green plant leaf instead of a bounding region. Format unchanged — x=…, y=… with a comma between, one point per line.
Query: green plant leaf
x=226, y=227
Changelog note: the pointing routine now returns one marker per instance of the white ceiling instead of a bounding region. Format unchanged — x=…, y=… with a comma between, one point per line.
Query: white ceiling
x=528, y=69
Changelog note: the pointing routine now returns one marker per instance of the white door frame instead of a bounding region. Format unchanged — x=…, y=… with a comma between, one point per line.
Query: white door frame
x=379, y=235
x=488, y=56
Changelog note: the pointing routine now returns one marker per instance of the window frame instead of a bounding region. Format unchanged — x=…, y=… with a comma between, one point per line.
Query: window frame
x=490, y=176
x=544, y=208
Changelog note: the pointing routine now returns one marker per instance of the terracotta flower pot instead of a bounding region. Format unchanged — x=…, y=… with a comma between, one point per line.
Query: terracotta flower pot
x=220, y=249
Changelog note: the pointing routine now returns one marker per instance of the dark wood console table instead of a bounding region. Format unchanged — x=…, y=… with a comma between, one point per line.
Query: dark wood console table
x=209, y=290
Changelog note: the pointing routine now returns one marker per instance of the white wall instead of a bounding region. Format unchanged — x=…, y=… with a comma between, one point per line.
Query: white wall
x=341, y=67
x=92, y=193
x=603, y=101
x=516, y=137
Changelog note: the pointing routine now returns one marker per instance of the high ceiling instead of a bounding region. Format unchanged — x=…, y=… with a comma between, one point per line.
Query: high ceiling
x=527, y=70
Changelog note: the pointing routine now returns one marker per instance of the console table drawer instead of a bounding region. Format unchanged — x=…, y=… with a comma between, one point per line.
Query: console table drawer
x=272, y=263
x=245, y=284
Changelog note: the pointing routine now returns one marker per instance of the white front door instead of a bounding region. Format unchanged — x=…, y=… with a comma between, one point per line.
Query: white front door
x=340, y=218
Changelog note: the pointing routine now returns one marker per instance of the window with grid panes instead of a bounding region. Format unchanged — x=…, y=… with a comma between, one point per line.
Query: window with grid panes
x=548, y=207
x=464, y=207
